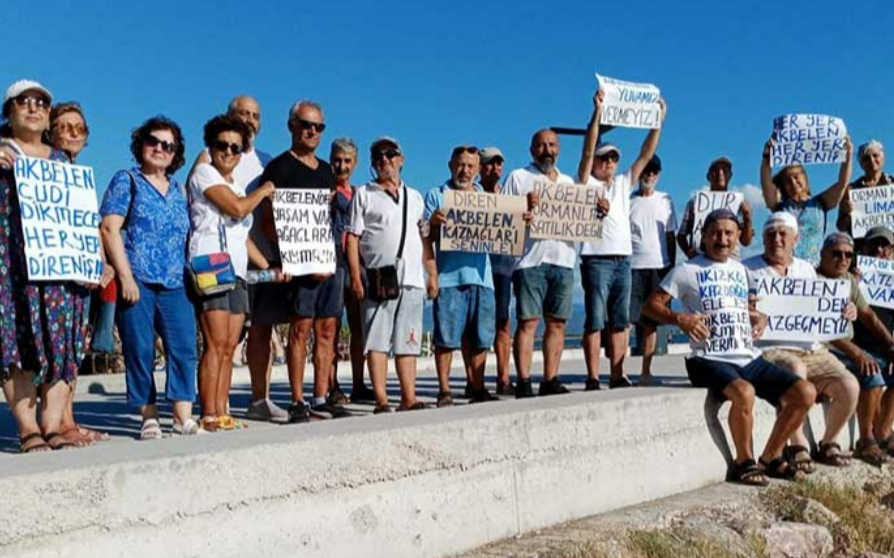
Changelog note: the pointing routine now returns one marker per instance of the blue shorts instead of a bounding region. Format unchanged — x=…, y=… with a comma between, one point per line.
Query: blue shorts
x=545, y=290
x=466, y=312
x=866, y=382
x=502, y=296
x=606, y=281
x=770, y=381
x=319, y=299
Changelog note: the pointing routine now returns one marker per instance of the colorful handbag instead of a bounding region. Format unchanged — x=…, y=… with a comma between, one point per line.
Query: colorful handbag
x=213, y=273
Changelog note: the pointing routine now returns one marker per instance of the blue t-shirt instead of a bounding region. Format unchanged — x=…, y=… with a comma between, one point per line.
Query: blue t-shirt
x=811, y=217
x=458, y=268
x=157, y=227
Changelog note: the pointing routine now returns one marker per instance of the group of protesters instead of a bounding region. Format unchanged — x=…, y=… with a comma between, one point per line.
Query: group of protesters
x=389, y=261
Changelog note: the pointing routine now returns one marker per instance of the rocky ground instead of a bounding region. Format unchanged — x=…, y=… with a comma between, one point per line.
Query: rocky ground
x=785, y=520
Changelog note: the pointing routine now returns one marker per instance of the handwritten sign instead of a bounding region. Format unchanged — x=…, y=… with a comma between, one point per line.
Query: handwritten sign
x=629, y=105
x=706, y=201
x=567, y=212
x=808, y=139
x=800, y=309
x=724, y=296
x=871, y=207
x=304, y=230
x=60, y=220
x=877, y=281
x=483, y=222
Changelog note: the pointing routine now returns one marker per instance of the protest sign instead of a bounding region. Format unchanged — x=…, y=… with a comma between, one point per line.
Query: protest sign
x=567, y=212
x=808, y=139
x=304, y=230
x=706, y=201
x=483, y=222
x=60, y=220
x=629, y=105
x=724, y=296
x=871, y=207
x=803, y=309
x=877, y=281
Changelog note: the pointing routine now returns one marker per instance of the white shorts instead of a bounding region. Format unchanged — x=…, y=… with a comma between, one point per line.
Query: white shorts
x=394, y=323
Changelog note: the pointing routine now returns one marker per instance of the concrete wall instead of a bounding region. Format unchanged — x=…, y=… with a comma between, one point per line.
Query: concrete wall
x=420, y=484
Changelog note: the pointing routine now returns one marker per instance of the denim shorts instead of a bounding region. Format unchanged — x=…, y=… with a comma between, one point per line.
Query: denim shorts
x=606, y=281
x=466, y=312
x=643, y=283
x=770, y=382
x=544, y=290
x=319, y=299
x=873, y=380
x=502, y=296
x=234, y=301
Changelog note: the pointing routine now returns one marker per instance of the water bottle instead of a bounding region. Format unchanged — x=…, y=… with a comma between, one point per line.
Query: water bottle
x=262, y=276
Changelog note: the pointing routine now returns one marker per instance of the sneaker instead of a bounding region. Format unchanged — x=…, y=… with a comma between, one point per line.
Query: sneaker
x=552, y=387
x=363, y=394
x=299, y=411
x=505, y=389
x=622, y=382
x=266, y=411
x=524, y=389
x=483, y=396
x=592, y=384
x=327, y=411
x=160, y=364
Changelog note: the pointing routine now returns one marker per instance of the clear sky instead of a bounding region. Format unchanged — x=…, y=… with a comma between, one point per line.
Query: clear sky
x=435, y=74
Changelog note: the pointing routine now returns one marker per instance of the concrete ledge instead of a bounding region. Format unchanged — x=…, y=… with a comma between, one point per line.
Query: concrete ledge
x=418, y=484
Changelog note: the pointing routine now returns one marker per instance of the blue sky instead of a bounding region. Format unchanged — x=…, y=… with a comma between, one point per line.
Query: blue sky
x=436, y=74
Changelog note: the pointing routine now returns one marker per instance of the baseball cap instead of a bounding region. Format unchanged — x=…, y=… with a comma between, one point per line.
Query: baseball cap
x=606, y=147
x=654, y=164
x=781, y=219
x=719, y=215
x=383, y=141
x=722, y=160
x=871, y=145
x=23, y=85
x=837, y=238
x=880, y=231
x=489, y=153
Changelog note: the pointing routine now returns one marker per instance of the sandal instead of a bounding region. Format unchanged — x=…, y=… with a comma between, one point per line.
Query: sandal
x=748, y=473
x=25, y=447
x=93, y=435
x=188, y=428
x=829, y=453
x=445, y=399
x=417, y=406
x=383, y=408
x=64, y=444
x=74, y=436
x=226, y=422
x=779, y=468
x=887, y=444
x=151, y=430
x=209, y=424
x=799, y=458
x=870, y=452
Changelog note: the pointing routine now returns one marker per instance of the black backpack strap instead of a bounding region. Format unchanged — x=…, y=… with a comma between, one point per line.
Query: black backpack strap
x=133, y=195
x=403, y=228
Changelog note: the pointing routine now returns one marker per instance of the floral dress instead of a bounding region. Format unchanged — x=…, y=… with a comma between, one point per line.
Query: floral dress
x=42, y=326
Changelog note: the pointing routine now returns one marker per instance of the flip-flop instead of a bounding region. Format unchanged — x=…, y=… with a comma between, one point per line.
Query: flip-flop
x=93, y=435
x=39, y=447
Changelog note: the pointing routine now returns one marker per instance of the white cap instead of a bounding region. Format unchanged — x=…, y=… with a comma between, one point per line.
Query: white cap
x=782, y=219
x=23, y=85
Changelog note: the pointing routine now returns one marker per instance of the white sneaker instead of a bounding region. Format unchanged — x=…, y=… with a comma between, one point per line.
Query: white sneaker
x=266, y=411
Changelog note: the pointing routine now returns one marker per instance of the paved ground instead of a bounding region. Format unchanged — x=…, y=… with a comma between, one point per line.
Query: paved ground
x=101, y=401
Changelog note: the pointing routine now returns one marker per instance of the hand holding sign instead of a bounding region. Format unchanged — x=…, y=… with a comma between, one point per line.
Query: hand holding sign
x=627, y=104
x=807, y=139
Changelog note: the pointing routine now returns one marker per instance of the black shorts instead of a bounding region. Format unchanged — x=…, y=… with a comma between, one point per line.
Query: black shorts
x=319, y=299
x=643, y=283
x=769, y=381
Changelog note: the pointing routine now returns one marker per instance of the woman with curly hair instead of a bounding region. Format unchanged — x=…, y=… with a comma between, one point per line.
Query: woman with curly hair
x=149, y=206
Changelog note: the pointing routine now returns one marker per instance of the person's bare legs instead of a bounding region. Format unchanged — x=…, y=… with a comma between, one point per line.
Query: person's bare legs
x=21, y=397
x=794, y=405
x=885, y=418
x=296, y=358
x=225, y=377
x=867, y=410
x=503, y=348
x=618, y=342
x=741, y=417
x=443, y=362
x=214, y=325
x=324, y=352
x=355, y=323
x=378, y=372
x=553, y=345
x=592, y=342
x=650, y=343
x=844, y=394
x=477, y=364
x=523, y=348
x=466, y=352
x=260, y=360
x=406, y=375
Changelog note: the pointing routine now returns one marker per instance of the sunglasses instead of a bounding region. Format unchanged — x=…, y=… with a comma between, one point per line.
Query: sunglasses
x=317, y=127
x=389, y=153
x=38, y=101
x=613, y=157
x=842, y=254
x=166, y=146
x=223, y=146
x=72, y=129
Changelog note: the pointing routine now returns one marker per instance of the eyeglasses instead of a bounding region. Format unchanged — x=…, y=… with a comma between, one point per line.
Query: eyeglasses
x=389, y=153
x=166, y=146
x=37, y=101
x=71, y=129
x=223, y=146
x=842, y=254
x=318, y=127
x=613, y=157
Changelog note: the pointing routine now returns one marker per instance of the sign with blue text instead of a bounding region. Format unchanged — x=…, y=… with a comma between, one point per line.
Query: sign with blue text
x=304, y=230
x=484, y=222
x=724, y=301
x=877, y=281
x=803, y=309
x=871, y=207
x=629, y=105
x=808, y=139
x=60, y=220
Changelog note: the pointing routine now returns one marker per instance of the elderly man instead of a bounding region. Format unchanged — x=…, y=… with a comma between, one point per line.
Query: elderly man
x=868, y=355
x=544, y=276
x=720, y=171
x=827, y=374
x=464, y=308
x=605, y=263
x=871, y=156
x=387, y=230
x=723, y=358
x=313, y=302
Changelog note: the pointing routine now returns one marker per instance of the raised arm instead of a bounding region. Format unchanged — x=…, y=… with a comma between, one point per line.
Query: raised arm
x=590, y=140
x=650, y=145
x=834, y=193
x=768, y=187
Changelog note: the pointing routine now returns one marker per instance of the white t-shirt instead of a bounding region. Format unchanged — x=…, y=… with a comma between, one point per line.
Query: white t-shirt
x=376, y=219
x=616, y=225
x=206, y=220
x=249, y=169
x=651, y=218
x=537, y=252
x=719, y=290
x=800, y=269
